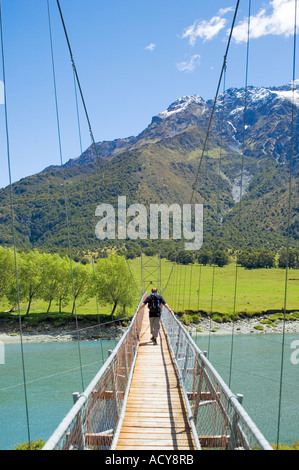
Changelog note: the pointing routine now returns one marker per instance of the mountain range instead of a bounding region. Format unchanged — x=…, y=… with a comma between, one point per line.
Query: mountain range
x=243, y=181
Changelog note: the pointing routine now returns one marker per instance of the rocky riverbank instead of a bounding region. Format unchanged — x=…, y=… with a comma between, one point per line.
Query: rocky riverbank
x=61, y=334
x=50, y=334
x=246, y=326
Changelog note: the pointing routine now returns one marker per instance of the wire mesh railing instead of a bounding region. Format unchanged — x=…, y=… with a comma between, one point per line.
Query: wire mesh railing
x=93, y=421
x=215, y=412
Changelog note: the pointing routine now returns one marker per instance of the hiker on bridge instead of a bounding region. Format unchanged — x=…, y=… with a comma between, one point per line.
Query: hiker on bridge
x=155, y=302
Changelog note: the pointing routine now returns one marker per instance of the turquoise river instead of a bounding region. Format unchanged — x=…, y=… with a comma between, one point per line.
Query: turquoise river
x=53, y=374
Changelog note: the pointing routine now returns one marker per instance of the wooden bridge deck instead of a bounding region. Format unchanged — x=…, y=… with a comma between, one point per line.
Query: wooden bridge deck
x=156, y=416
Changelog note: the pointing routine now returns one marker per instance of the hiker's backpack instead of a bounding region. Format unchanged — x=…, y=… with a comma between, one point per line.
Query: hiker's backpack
x=154, y=305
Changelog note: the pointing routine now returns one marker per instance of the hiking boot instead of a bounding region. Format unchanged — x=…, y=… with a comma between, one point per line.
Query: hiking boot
x=155, y=341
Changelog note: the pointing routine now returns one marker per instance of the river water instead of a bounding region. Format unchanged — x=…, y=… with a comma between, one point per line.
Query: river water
x=53, y=373
x=256, y=374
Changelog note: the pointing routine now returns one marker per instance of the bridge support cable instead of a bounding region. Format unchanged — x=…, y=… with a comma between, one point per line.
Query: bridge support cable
x=215, y=99
x=151, y=272
x=199, y=286
x=64, y=191
x=14, y=230
x=169, y=278
x=172, y=285
x=78, y=114
x=141, y=291
x=79, y=85
x=218, y=211
x=289, y=211
x=241, y=190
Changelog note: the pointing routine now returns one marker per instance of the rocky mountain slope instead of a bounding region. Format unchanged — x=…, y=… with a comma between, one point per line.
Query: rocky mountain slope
x=245, y=194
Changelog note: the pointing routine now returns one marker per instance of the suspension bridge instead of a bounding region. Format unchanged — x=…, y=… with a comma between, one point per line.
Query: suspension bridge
x=164, y=397
x=167, y=396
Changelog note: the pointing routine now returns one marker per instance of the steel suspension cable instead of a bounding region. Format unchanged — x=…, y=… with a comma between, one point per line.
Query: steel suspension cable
x=79, y=84
x=169, y=278
x=199, y=286
x=290, y=184
x=215, y=99
x=241, y=191
x=133, y=279
x=217, y=208
x=78, y=114
x=14, y=230
x=64, y=191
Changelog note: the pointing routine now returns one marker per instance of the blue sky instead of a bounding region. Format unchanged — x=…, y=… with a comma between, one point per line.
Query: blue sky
x=134, y=58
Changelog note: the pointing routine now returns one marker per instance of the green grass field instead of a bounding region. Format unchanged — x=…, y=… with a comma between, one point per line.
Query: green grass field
x=190, y=287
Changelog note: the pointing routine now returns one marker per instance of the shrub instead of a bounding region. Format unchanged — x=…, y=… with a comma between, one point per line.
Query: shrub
x=220, y=258
x=37, y=445
x=217, y=317
x=187, y=319
x=266, y=322
x=294, y=446
x=257, y=259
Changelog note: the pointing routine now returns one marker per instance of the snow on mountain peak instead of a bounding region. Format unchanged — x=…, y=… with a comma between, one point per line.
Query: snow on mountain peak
x=180, y=105
x=288, y=95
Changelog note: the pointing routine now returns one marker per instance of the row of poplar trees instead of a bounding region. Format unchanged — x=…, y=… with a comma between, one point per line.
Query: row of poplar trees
x=60, y=281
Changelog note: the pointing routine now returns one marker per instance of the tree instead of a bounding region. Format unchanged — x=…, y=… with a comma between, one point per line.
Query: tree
x=7, y=270
x=266, y=259
x=56, y=282
x=293, y=259
x=83, y=283
x=172, y=255
x=113, y=282
x=185, y=257
x=256, y=259
x=220, y=258
x=204, y=257
x=30, y=267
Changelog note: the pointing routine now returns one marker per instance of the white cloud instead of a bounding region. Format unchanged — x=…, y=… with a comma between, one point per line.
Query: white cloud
x=189, y=66
x=151, y=47
x=278, y=20
x=223, y=11
x=206, y=30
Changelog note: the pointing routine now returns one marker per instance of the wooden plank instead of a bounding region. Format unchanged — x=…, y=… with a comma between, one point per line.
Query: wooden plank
x=151, y=447
x=133, y=420
x=150, y=414
x=98, y=440
x=157, y=425
x=132, y=430
x=164, y=401
x=153, y=442
x=164, y=405
x=214, y=441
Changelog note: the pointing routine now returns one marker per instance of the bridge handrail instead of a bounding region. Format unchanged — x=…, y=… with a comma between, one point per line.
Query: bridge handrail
x=77, y=430
x=196, y=372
